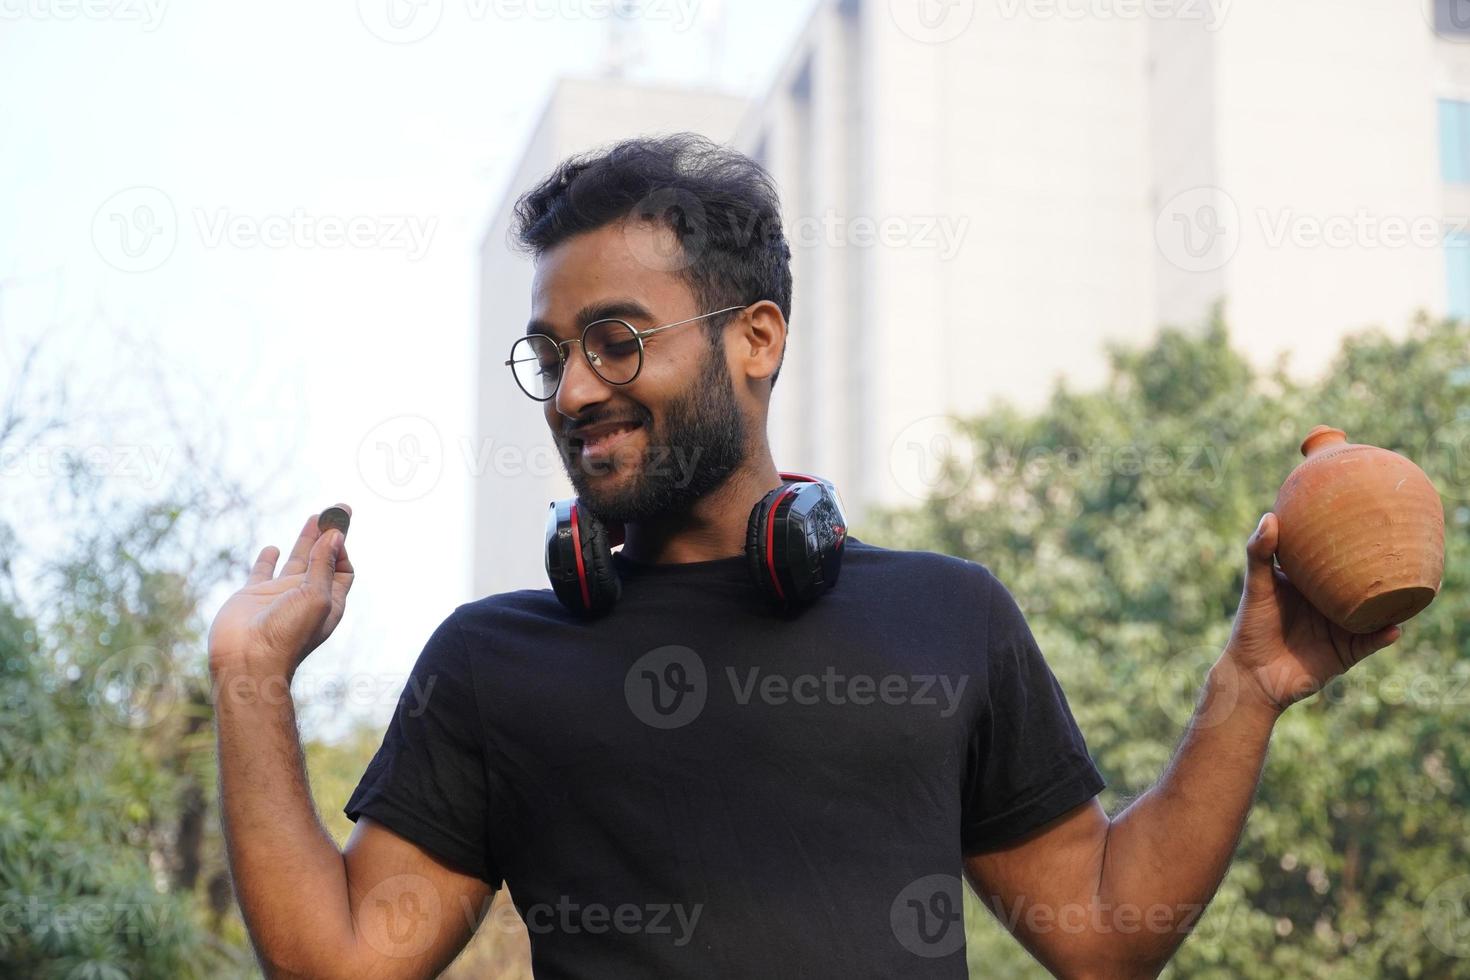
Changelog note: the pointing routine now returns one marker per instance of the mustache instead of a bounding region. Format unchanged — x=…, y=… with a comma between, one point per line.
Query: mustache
x=571, y=427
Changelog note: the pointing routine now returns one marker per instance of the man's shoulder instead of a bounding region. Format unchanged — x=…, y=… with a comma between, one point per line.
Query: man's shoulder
x=527, y=605
x=921, y=568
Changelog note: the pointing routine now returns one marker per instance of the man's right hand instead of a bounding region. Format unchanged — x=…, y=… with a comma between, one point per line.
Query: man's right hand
x=382, y=907
x=274, y=621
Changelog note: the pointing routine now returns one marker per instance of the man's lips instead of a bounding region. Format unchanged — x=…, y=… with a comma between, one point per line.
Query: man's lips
x=602, y=438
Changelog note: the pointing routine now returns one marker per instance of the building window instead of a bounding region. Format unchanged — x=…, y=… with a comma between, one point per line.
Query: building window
x=1452, y=16
x=1454, y=141
x=1457, y=269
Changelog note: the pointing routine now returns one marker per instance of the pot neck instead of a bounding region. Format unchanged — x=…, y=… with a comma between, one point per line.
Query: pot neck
x=1322, y=437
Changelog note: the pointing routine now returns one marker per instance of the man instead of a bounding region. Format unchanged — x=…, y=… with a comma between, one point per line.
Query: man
x=809, y=809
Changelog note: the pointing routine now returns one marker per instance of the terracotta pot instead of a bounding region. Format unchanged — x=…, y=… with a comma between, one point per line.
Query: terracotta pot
x=1362, y=532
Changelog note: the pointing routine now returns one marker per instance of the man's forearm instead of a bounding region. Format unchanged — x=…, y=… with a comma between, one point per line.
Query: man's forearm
x=1167, y=853
x=289, y=876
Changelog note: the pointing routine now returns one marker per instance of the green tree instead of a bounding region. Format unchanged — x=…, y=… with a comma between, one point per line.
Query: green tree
x=110, y=860
x=103, y=788
x=1118, y=518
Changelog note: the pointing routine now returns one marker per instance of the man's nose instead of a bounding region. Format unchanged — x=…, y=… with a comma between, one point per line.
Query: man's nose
x=580, y=386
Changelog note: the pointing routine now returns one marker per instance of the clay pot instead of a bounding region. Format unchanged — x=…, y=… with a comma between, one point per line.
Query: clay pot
x=1362, y=532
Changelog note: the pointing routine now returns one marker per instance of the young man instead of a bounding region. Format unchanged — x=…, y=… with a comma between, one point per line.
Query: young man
x=697, y=784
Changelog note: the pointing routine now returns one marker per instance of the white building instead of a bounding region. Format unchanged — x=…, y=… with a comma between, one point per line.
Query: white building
x=981, y=193
x=1318, y=123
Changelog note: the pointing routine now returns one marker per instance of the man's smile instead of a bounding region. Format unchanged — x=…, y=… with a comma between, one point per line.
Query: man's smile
x=600, y=440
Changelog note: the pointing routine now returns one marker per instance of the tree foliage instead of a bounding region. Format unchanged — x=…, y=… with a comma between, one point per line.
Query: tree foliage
x=106, y=864
x=1118, y=518
x=111, y=863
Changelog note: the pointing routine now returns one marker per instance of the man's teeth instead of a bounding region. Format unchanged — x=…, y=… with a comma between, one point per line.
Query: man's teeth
x=607, y=434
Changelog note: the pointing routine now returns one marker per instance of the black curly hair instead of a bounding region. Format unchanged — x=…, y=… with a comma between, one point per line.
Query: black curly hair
x=721, y=205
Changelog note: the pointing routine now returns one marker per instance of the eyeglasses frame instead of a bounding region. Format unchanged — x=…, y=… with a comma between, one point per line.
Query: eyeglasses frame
x=561, y=349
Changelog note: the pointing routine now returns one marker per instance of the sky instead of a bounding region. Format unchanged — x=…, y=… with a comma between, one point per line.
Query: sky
x=263, y=220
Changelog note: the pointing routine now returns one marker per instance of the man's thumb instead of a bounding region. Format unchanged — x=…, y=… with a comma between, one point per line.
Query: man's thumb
x=1260, y=551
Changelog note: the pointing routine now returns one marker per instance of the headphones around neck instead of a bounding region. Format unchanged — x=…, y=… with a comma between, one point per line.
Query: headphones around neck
x=793, y=548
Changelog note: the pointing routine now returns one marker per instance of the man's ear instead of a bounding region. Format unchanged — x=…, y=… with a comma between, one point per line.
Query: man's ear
x=761, y=339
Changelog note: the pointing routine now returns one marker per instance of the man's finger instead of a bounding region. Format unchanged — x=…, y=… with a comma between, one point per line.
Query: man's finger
x=309, y=536
x=344, y=563
x=265, y=565
x=322, y=562
x=1373, y=642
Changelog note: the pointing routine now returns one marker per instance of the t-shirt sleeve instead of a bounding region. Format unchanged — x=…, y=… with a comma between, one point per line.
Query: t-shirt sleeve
x=1027, y=762
x=427, y=783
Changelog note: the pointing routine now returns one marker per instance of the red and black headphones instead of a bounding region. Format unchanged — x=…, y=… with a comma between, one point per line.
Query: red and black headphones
x=793, y=547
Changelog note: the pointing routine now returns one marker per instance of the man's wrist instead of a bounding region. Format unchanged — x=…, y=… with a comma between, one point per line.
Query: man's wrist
x=1237, y=689
x=255, y=661
x=249, y=680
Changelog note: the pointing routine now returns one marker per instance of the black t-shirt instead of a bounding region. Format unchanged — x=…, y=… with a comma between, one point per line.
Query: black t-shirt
x=696, y=786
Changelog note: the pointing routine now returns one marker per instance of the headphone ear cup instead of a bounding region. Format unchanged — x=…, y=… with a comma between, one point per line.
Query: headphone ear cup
x=794, y=554
x=756, y=555
x=579, y=560
x=604, y=587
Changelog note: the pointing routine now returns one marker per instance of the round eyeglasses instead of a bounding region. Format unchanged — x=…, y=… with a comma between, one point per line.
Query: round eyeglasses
x=613, y=349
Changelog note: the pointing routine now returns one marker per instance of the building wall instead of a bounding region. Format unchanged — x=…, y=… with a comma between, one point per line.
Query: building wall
x=808, y=131
x=1184, y=156
x=1327, y=119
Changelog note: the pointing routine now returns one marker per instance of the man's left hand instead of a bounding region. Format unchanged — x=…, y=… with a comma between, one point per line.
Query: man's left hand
x=1280, y=641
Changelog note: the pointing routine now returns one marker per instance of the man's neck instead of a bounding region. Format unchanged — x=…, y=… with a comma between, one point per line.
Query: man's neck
x=714, y=527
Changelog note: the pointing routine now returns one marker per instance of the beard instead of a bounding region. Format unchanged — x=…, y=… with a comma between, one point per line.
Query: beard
x=700, y=443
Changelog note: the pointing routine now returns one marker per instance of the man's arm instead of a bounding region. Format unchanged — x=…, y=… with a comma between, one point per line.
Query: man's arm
x=1093, y=897
x=1090, y=897
x=383, y=909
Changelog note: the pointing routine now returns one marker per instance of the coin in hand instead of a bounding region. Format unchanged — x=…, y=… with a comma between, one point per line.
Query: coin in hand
x=334, y=517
